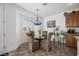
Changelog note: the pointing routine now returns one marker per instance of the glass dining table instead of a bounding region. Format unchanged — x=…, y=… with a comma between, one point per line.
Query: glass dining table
x=39, y=38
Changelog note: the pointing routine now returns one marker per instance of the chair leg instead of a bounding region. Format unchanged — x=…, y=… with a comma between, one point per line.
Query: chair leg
x=31, y=44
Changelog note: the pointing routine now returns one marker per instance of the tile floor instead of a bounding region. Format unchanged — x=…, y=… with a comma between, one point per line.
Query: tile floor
x=57, y=50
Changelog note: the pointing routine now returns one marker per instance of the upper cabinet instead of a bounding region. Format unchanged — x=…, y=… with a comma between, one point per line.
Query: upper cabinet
x=76, y=19
x=72, y=19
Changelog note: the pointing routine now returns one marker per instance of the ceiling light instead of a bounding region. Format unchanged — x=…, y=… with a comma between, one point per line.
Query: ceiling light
x=44, y=4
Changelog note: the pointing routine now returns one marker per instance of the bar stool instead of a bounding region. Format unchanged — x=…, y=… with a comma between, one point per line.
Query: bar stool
x=57, y=41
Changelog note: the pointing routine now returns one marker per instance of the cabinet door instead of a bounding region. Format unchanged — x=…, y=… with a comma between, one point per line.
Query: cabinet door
x=76, y=19
x=71, y=41
x=69, y=20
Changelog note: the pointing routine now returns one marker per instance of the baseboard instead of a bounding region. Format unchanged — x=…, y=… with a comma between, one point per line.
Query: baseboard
x=5, y=54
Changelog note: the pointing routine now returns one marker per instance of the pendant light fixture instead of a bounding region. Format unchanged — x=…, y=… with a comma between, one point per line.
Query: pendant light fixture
x=37, y=21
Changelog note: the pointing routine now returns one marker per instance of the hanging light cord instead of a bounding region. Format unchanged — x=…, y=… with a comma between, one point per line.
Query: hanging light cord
x=37, y=14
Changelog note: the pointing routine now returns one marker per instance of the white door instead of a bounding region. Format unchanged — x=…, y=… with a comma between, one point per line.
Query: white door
x=1, y=31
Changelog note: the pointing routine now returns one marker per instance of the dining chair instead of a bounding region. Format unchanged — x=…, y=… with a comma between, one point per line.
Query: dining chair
x=48, y=41
x=44, y=34
x=43, y=42
x=30, y=36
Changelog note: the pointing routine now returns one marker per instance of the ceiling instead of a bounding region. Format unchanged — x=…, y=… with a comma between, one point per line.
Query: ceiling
x=50, y=8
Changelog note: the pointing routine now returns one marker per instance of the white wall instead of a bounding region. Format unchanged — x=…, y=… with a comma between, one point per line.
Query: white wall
x=20, y=35
x=12, y=17
x=1, y=31
x=59, y=18
x=22, y=15
x=10, y=27
x=13, y=29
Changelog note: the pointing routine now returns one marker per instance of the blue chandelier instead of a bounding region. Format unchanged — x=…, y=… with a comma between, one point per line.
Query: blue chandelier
x=37, y=22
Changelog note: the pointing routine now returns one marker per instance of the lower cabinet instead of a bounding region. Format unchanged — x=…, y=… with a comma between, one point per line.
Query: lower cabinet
x=77, y=37
x=71, y=41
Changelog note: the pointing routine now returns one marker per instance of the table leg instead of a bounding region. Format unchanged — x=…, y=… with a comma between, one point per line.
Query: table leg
x=39, y=44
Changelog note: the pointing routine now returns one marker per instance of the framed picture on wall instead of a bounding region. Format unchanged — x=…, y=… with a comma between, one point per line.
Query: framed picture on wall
x=51, y=24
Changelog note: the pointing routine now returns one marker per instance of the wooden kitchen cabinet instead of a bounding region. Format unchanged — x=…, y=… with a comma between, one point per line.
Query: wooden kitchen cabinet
x=72, y=19
x=76, y=19
x=71, y=41
x=69, y=20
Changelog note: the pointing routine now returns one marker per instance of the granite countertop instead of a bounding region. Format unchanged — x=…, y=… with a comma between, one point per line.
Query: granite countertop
x=75, y=34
